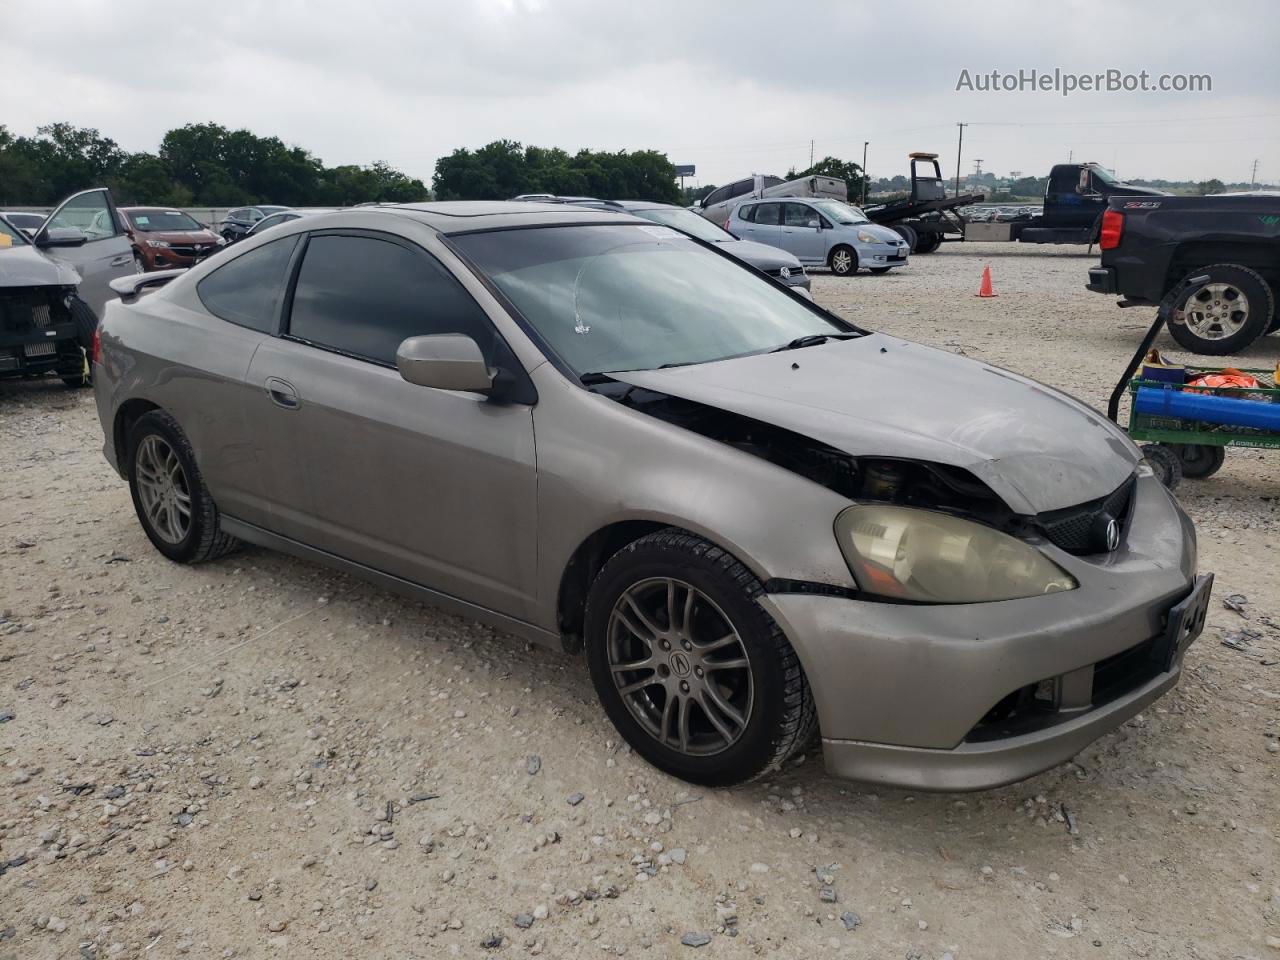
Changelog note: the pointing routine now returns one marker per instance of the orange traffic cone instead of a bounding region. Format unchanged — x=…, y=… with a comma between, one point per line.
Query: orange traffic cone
x=985, y=290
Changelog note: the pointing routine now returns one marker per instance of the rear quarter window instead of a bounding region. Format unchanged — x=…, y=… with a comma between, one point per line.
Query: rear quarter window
x=247, y=290
x=747, y=212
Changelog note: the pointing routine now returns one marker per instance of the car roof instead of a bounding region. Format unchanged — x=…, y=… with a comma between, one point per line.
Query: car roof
x=150, y=209
x=468, y=216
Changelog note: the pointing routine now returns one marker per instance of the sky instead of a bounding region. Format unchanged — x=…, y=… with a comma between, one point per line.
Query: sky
x=734, y=88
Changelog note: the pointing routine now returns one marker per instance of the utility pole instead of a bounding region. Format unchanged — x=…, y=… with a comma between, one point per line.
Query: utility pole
x=1253, y=178
x=810, y=154
x=864, y=170
x=959, y=144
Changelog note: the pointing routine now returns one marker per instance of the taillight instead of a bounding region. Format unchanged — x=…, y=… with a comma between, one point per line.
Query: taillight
x=96, y=352
x=1112, y=227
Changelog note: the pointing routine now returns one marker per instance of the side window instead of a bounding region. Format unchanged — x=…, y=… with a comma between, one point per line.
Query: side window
x=362, y=296
x=767, y=214
x=797, y=215
x=716, y=196
x=741, y=187
x=89, y=214
x=237, y=215
x=747, y=212
x=254, y=215
x=248, y=289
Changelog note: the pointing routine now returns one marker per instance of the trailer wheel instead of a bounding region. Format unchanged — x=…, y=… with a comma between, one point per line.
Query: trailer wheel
x=928, y=243
x=843, y=261
x=908, y=234
x=1165, y=462
x=1225, y=315
x=1199, y=460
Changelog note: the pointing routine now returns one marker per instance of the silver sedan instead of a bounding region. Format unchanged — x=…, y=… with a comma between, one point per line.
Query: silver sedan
x=755, y=519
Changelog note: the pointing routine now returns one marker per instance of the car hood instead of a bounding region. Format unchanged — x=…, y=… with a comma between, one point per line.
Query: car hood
x=759, y=255
x=878, y=396
x=178, y=236
x=26, y=266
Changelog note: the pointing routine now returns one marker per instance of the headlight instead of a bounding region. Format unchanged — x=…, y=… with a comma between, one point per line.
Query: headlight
x=221, y=241
x=158, y=243
x=911, y=554
x=864, y=237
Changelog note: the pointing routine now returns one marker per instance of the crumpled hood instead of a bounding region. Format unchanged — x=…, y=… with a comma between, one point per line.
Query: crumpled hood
x=759, y=255
x=26, y=266
x=1036, y=448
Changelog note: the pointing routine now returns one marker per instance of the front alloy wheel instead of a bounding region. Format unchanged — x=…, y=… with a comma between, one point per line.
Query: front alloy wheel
x=843, y=261
x=693, y=672
x=679, y=666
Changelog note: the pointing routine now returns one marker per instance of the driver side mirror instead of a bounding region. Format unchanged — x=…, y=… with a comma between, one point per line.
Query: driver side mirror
x=61, y=237
x=815, y=224
x=445, y=361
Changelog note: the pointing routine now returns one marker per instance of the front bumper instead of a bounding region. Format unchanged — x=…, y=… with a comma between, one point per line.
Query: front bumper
x=913, y=696
x=877, y=255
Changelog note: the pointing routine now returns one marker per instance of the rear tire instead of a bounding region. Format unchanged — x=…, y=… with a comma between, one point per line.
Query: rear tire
x=1227, y=314
x=1199, y=460
x=714, y=693
x=908, y=234
x=1165, y=462
x=169, y=494
x=928, y=243
x=843, y=261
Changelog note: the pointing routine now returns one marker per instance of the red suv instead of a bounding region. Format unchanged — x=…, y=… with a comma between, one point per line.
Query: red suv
x=164, y=238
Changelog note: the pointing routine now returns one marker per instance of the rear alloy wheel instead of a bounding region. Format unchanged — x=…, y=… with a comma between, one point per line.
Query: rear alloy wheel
x=1226, y=314
x=691, y=670
x=170, y=497
x=844, y=261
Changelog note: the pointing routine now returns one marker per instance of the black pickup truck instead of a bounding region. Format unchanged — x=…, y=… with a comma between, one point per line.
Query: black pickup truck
x=1151, y=244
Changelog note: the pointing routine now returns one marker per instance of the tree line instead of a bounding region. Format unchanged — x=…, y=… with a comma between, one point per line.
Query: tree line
x=505, y=168
x=200, y=164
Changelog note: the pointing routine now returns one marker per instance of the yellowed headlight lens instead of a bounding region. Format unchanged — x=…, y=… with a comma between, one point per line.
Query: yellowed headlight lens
x=932, y=557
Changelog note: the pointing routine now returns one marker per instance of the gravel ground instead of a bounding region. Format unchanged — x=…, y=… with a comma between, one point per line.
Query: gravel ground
x=261, y=758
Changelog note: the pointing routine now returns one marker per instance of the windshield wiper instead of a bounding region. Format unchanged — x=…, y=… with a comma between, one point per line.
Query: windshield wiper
x=595, y=377
x=812, y=340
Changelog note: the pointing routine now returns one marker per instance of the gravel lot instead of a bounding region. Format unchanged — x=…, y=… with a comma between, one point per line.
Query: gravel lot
x=260, y=758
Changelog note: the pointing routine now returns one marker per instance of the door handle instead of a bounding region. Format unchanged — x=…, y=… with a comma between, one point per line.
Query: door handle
x=282, y=393
x=120, y=261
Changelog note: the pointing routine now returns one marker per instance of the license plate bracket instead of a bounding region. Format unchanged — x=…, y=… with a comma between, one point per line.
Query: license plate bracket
x=1185, y=622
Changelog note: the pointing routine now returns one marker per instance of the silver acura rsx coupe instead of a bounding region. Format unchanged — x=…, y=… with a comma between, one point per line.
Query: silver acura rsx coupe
x=754, y=518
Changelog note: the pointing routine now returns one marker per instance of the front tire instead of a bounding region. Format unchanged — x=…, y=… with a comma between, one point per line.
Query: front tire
x=843, y=261
x=169, y=494
x=697, y=678
x=1226, y=314
x=86, y=323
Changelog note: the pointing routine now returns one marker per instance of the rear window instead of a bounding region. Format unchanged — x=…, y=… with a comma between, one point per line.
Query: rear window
x=247, y=290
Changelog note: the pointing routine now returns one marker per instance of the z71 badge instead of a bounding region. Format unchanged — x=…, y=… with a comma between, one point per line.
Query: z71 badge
x=1142, y=204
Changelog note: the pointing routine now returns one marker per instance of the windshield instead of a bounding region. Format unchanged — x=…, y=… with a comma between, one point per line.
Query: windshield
x=10, y=236
x=840, y=212
x=163, y=221
x=630, y=297
x=686, y=221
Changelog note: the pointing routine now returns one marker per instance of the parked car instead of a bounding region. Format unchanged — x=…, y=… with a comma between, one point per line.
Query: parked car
x=164, y=238
x=825, y=232
x=284, y=216
x=53, y=285
x=718, y=205
x=240, y=221
x=753, y=516
x=1149, y=246
x=774, y=262
x=28, y=223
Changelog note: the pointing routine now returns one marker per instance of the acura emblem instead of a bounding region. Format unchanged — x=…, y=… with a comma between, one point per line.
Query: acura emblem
x=785, y=273
x=1113, y=535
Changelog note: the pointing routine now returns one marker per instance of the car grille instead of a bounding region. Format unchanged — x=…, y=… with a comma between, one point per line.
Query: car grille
x=43, y=349
x=1071, y=528
x=192, y=249
x=23, y=311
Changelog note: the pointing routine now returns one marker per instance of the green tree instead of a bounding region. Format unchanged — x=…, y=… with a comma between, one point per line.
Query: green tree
x=846, y=170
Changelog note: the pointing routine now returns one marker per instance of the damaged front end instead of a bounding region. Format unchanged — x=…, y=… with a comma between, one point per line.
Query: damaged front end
x=39, y=333
x=1082, y=530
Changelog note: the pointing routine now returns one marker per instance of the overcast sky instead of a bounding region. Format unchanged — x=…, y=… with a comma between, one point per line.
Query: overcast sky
x=732, y=87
